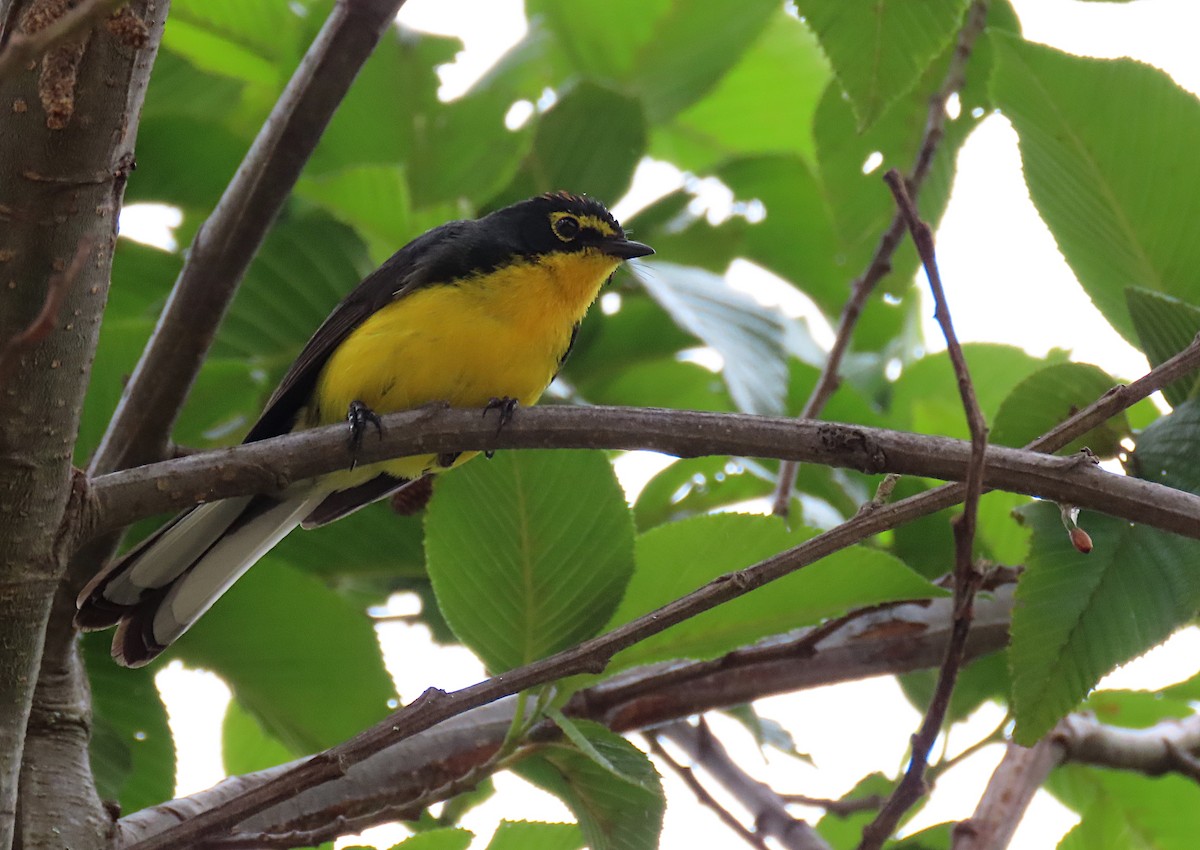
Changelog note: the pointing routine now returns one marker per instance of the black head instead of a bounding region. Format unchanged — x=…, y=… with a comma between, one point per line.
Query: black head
x=561, y=222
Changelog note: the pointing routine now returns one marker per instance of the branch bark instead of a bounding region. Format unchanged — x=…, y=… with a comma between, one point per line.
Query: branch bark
x=64, y=158
x=266, y=466
x=898, y=639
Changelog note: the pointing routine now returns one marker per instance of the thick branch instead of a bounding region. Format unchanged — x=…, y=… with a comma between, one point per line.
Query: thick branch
x=269, y=465
x=1167, y=747
x=898, y=639
x=225, y=244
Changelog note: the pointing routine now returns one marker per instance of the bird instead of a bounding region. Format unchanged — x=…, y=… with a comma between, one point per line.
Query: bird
x=473, y=313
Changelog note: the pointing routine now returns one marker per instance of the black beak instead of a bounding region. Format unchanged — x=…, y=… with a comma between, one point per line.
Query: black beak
x=625, y=249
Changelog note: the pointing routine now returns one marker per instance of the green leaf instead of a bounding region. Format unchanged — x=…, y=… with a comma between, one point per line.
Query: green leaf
x=177, y=87
x=132, y=751
x=845, y=833
x=879, y=50
x=608, y=345
x=373, y=199
x=675, y=559
x=307, y=264
x=600, y=40
x=276, y=621
x=748, y=336
x=1078, y=616
x=393, y=97
x=1123, y=810
x=694, y=45
x=529, y=835
x=184, y=160
x=528, y=553
x=696, y=485
x=246, y=746
x=666, y=382
x=1135, y=709
x=925, y=397
x=1107, y=155
x=1051, y=395
x=745, y=114
x=616, y=811
x=1165, y=326
x=589, y=142
x=251, y=40
x=373, y=542
x=437, y=839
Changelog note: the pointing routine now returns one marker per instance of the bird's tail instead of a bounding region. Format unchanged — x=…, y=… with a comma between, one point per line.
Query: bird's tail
x=156, y=591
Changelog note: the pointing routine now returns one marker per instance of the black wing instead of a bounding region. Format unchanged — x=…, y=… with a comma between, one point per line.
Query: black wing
x=415, y=265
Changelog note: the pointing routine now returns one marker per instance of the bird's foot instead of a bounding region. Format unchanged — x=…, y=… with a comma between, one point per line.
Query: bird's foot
x=505, y=405
x=359, y=416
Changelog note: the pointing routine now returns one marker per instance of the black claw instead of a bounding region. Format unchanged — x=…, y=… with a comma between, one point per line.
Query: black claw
x=505, y=405
x=359, y=416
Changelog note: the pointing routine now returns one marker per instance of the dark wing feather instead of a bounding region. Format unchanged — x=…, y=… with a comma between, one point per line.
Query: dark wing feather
x=413, y=266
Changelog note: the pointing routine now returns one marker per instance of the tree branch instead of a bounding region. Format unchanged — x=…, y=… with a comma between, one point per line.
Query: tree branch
x=966, y=578
x=881, y=261
x=119, y=498
x=771, y=817
x=1008, y=794
x=225, y=244
x=435, y=707
x=898, y=639
x=705, y=799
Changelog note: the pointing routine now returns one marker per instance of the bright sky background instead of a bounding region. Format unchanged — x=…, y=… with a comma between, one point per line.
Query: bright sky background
x=1006, y=282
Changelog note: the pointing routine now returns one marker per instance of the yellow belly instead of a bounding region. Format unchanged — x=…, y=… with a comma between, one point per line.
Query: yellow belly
x=503, y=335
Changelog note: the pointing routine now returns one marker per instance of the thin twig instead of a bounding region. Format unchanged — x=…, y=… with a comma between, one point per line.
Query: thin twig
x=771, y=817
x=222, y=249
x=22, y=47
x=881, y=261
x=837, y=808
x=706, y=799
x=436, y=706
x=43, y=323
x=966, y=577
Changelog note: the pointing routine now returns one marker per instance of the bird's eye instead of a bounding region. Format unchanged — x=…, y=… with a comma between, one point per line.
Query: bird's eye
x=566, y=228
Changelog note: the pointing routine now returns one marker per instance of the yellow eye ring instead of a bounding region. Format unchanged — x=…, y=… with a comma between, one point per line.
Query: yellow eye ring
x=566, y=227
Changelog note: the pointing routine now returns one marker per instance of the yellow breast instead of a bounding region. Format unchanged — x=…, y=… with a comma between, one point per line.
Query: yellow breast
x=497, y=335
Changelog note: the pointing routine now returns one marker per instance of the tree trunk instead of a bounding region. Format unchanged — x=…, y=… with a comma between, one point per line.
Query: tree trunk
x=66, y=149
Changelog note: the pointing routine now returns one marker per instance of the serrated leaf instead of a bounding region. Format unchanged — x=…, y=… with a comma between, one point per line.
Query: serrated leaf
x=1109, y=163
x=880, y=49
x=696, y=485
x=1078, y=616
x=275, y=621
x=132, y=751
x=748, y=336
x=767, y=732
x=530, y=835
x=1051, y=395
x=528, y=553
x=614, y=813
x=675, y=559
x=373, y=199
x=845, y=833
x=1165, y=326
